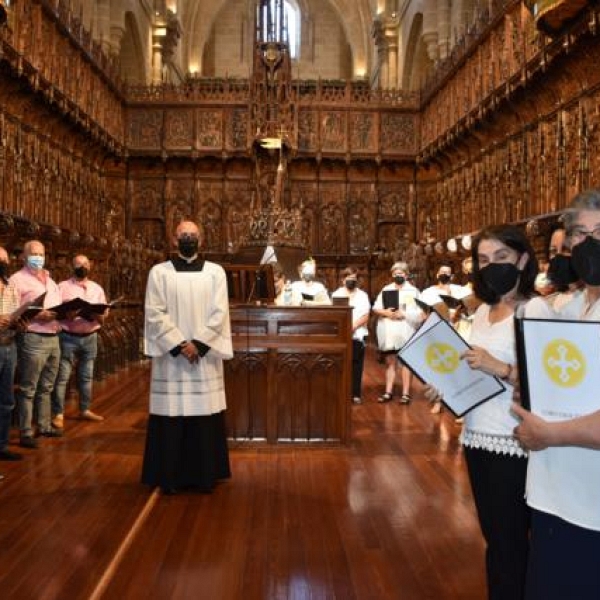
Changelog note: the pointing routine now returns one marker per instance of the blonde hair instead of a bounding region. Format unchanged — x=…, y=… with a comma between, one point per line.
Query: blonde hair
x=399, y=266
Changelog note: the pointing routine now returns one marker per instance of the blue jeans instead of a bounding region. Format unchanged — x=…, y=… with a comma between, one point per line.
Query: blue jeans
x=84, y=350
x=38, y=365
x=8, y=362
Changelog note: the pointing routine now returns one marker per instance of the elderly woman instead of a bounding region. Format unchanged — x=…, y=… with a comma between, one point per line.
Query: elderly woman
x=563, y=476
x=398, y=316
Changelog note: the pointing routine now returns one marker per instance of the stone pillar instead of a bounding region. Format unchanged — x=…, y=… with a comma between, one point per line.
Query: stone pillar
x=117, y=27
x=102, y=29
x=443, y=27
x=430, y=32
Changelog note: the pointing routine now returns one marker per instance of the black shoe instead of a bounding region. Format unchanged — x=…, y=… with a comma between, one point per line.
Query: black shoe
x=8, y=455
x=168, y=490
x=27, y=441
x=52, y=433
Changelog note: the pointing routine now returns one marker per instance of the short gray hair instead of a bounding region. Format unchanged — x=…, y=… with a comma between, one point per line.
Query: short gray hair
x=587, y=200
x=399, y=266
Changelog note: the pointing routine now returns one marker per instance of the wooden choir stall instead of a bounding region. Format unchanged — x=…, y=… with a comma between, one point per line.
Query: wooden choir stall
x=290, y=378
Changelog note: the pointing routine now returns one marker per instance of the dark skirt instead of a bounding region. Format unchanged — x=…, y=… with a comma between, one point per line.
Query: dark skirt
x=186, y=452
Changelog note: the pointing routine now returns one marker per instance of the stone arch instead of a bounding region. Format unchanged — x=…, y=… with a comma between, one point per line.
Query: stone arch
x=417, y=62
x=133, y=63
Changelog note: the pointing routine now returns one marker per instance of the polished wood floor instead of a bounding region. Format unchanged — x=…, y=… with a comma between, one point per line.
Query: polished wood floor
x=388, y=517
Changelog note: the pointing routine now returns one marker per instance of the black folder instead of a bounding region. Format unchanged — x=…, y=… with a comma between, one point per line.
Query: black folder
x=390, y=299
x=451, y=301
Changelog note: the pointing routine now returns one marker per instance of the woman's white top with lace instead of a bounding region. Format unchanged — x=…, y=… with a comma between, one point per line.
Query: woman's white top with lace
x=490, y=425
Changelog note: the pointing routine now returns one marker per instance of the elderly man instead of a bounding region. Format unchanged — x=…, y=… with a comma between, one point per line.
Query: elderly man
x=9, y=303
x=38, y=348
x=78, y=340
x=563, y=473
x=187, y=334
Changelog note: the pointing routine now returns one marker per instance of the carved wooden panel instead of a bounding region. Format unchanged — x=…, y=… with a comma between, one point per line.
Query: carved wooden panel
x=334, y=136
x=147, y=198
x=289, y=380
x=332, y=218
x=209, y=128
x=308, y=127
x=363, y=131
x=247, y=381
x=237, y=128
x=144, y=131
x=398, y=133
x=393, y=201
x=179, y=129
x=362, y=215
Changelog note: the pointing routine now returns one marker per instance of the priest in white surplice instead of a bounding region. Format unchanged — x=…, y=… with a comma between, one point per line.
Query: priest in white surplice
x=187, y=334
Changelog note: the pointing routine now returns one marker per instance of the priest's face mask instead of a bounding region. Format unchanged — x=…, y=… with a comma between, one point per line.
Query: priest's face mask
x=187, y=239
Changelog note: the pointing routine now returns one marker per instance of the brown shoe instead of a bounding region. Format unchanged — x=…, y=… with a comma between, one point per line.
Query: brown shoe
x=58, y=421
x=88, y=415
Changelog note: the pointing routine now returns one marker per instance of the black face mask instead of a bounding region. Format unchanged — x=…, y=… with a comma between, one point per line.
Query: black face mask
x=399, y=280
x=585, y=258
x=444, y=279
x=350, y=284
x=560, y=270
x=500, y=278
x=80, y=272
x=187, y=247
x=3, y=271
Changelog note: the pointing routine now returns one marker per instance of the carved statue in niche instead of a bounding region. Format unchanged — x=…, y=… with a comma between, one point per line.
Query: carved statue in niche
x=361, y=131
x=360, y=227
x=236, y=229
x=307, y=130
x=332, y=229
x=210, y=123
x=177, y=211
x=147, y=198
x=238, y=131
x=333, y=131
x=210, y=218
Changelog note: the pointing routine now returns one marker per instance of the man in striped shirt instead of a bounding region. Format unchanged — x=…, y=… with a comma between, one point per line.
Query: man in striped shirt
x=9, y=303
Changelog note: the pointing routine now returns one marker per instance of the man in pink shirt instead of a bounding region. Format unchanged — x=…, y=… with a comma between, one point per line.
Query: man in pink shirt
x=37, y=347
x=78, y=340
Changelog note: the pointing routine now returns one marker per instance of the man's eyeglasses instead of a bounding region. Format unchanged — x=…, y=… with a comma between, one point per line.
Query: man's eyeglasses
x=578, y=234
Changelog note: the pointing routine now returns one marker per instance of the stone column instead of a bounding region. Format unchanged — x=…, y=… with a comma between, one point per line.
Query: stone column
x=430, y=31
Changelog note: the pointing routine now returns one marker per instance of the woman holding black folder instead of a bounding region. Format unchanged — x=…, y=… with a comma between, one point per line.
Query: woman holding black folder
x=398, y=316
x=504, y=271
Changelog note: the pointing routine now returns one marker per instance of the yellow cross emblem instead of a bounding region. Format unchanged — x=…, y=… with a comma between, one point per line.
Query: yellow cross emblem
x=442, y=358
x=564, y=363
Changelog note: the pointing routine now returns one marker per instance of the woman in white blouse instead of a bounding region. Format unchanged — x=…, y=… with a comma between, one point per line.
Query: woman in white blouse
x=504, y=271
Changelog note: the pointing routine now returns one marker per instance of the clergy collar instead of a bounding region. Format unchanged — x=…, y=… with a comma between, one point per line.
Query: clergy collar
x=189, y=260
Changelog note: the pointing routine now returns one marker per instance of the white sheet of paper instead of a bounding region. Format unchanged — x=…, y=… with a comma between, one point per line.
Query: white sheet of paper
x=563, y=367
x=433, y=354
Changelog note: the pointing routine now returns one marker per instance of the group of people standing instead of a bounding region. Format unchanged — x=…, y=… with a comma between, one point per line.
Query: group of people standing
x=536, y=484
x=45, y=346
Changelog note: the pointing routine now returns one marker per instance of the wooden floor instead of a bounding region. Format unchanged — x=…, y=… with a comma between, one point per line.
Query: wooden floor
x=388, y=517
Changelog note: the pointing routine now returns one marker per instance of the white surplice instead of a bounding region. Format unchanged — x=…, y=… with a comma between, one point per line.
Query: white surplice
x=187, y=306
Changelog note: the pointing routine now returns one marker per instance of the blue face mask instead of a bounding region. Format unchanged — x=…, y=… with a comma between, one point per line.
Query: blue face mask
x=35, y=262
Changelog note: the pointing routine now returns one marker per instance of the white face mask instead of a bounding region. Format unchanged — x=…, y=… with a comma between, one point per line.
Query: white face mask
x=35, y=262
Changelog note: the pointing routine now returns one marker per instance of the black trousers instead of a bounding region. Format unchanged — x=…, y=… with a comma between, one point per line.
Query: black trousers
x=498, y=484
x=358, y=361
x=564, y=561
